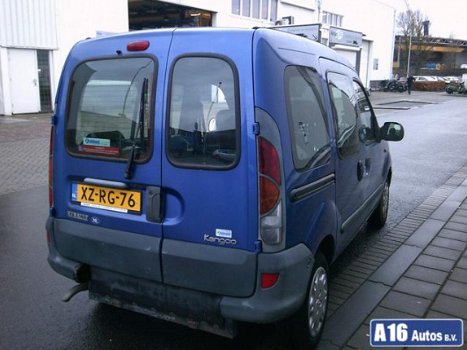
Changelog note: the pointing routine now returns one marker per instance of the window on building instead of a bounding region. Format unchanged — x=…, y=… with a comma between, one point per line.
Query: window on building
x=260, y=9
x=246, y=7
x=310, y=139
x=264, y=9
x=332, y=19
x=375, y=64
x=273, y=16
x=44, y=80
x=236, y=7
x=256, y=8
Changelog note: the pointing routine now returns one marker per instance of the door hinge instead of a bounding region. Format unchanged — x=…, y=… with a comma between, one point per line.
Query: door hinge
x=53, y=119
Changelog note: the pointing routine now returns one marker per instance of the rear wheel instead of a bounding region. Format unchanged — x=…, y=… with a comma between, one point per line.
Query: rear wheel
x=380, y=215
x=307, y=325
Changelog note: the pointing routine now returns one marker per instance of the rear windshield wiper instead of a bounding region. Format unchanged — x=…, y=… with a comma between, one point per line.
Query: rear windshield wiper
x=142, y=106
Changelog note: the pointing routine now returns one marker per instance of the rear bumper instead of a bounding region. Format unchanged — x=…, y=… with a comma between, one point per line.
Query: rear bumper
x=294, y=266
x=167, y=298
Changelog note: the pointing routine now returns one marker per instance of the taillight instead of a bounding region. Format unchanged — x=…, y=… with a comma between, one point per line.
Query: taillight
x=270, y=176
x=269, y=163
x=51, y=166
x=270, y=181
x=269, y=195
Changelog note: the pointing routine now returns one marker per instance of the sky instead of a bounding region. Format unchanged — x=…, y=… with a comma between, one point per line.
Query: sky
x=448, y=17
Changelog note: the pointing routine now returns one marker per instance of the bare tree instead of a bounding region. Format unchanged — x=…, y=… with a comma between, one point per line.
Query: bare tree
x=411, y=25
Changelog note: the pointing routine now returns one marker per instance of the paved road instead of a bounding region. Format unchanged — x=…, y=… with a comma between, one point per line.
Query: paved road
x=24, y=142
x=433, y=149
x=34, y=318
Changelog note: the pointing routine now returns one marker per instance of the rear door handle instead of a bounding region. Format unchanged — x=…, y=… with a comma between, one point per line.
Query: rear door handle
x=367, y=166
x=154, y=204
x=360, y=170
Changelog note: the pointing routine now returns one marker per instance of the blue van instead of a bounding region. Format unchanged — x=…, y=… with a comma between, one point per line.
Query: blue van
x=210, y=176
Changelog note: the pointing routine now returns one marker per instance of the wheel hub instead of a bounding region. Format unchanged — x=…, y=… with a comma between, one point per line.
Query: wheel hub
x=317, y=301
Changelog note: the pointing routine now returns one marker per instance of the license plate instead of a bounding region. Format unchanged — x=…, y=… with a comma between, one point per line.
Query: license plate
x=114, y=199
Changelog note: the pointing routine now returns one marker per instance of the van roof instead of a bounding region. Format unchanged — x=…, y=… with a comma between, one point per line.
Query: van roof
x=278, y=40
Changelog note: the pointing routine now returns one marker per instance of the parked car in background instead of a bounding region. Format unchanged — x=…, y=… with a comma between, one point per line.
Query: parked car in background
x=451, y=79
x=424, y=78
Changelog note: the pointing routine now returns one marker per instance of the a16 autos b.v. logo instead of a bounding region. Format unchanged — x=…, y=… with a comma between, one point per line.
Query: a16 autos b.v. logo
x=417, y=332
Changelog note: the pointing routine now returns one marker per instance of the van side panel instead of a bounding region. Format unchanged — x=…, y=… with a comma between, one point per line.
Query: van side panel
x=310, y=192
x=362, y=164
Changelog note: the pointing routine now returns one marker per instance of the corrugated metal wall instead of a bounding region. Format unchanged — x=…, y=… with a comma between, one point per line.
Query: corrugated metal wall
x=28, y=24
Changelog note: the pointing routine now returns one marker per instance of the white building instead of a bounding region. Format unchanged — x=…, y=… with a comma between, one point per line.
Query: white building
x=35, y=38
x=36, y=35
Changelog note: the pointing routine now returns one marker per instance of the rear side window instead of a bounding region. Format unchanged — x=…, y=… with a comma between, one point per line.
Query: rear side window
x=109, y=108
x=203, y=119
x=368, y=123
x=343, y=99
x=306, y=117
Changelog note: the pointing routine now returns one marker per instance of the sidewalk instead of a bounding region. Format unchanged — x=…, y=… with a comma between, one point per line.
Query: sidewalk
x=389, y=101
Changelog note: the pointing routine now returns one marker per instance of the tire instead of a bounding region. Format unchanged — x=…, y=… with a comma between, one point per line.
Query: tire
x=379, y=216
x=306, y=326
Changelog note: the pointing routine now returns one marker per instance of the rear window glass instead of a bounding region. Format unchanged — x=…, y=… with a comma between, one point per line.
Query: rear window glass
x=203, y=118
x=109, y=108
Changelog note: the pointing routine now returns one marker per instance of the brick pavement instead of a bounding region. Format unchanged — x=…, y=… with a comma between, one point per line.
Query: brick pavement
x=24, y=143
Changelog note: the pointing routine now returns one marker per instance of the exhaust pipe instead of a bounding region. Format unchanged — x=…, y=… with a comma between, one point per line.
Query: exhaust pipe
x=75, y=290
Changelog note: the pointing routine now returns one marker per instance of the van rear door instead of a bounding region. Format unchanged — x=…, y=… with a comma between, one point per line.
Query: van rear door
x=107, y=178
x=209, y=167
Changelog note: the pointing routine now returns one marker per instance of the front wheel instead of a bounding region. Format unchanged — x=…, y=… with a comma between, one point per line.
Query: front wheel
x=307, y=325
x=380, y=215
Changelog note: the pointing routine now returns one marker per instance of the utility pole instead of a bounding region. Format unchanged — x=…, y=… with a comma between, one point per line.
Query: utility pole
x=411, y=24
x=410, y=50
